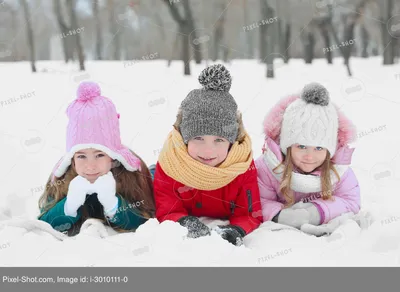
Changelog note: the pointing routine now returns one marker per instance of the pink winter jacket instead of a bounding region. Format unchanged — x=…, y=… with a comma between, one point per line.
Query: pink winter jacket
x=346, y=192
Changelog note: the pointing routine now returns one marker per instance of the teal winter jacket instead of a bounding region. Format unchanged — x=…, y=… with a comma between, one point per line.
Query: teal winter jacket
x=127, y=216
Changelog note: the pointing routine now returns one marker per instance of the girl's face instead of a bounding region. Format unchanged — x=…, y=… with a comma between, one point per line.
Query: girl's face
x=308, y=158
x=209, y=150
x=92, y=163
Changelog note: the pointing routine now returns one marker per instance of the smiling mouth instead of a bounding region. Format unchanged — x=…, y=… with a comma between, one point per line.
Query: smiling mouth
x=206, y=159
x=92, y=175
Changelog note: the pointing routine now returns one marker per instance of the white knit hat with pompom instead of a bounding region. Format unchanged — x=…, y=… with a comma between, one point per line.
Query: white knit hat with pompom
x=310, y=120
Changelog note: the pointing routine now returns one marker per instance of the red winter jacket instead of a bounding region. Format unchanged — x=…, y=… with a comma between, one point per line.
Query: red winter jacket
x=239, y=201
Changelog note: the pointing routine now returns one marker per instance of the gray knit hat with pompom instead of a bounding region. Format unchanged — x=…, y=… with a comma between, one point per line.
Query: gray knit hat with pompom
x=210, y=110
x=311, y=120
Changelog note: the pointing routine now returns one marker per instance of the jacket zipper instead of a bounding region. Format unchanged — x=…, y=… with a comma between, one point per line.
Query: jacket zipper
x=232, y=207
x=249, y=201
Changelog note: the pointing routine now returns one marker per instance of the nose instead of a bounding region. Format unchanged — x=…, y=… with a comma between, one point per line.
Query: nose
x=91, y=165
x=208, y=150
x=308, y=155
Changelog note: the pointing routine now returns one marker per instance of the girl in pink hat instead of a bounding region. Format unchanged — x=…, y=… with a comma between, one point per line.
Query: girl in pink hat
x=304, y=175
x=98, y=177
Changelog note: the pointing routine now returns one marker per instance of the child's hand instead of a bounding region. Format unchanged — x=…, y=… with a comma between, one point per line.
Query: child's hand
x=231, y=233
x=315, y=218
x=293, y=217
x=195, y=227
x=329, y=227
x=299, y=214
x=105, y=187
x=77, y=190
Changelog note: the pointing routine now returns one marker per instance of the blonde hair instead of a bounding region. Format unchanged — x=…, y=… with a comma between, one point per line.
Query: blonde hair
x=132, y=186
x=241, y=131
x=326, y=183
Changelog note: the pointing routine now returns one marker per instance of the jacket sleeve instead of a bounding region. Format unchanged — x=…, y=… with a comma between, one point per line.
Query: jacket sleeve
x=247, y=212
x=127, y=216
x=268, y=195
x=346, y=198
x=169, y=206
x=57, y=218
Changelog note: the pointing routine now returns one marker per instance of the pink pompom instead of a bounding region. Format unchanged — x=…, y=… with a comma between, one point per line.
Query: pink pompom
x=88, y=90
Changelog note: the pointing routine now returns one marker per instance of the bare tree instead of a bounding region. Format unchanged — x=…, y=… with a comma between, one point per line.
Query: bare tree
x=219, y=31
x=266, y=39
x=64, y=29
x=173, y=49
x=336, y=38
x=193, y=36
x=372, y=22
x=308, y=38
x=204, y=13
x=389, y=42
x=263, y=31
x=348, y=33
x=365, y=38
x=29, y=31
x=185, y=28
x=76, y=36
x=284, y=30
x=323, y=25
x=99, y=37
x=13, y=13
x=284, y=26
x=42, y=28
x=116, y=55
x=249, y=38
x=152, y=11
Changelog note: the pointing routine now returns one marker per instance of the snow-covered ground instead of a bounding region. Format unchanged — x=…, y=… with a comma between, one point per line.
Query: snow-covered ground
x=147, y=95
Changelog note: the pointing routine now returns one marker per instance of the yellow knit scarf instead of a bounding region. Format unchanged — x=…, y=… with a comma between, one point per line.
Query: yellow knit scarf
x=179, y=165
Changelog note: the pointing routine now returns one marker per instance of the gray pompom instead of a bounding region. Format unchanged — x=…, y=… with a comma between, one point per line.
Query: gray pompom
x=216, y=77
x=315, y=93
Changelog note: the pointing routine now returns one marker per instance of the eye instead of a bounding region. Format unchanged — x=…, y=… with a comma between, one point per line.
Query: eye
x=100, y=155
x=301, y=146
x=219, y=140
x=319, y=148
x=81, y=156
x=198, y=138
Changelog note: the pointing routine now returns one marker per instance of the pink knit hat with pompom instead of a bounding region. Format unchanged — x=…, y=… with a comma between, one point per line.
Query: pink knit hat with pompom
x=94, y=123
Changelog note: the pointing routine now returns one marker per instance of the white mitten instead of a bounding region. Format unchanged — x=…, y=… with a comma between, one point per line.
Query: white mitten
x=364, y=219
x=327, y=228
x=293, y=217
x=314, y=218
x=105, y=187
x=300, y=205
x=77, y=190
x=93, y=227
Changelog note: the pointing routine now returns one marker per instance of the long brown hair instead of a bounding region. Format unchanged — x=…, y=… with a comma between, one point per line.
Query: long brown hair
x=326, y=183
x=134, y=187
